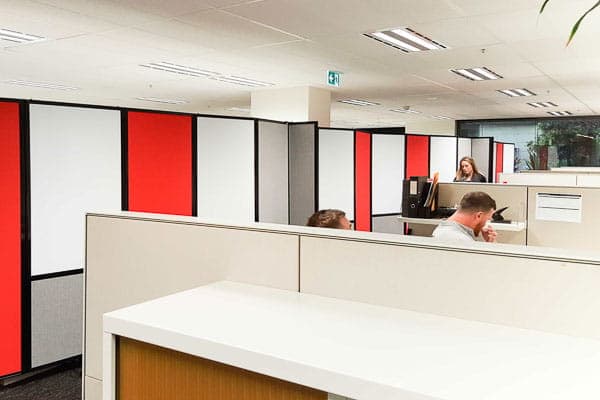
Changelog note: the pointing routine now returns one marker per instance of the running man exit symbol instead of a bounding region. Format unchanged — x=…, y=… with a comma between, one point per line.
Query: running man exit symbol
x=333, y=78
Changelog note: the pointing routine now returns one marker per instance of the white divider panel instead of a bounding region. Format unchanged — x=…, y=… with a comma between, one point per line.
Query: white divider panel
x=75, y=167
x=302, y=155
x=442, y=157
x=336, y=170
x=387, y=173
x=464, y=149
x=226, y=169
x=273, y=172
x=480, y=151
x=508, y=159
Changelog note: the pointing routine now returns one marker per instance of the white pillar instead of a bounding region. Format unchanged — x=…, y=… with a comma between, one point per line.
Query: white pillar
x=298, y=104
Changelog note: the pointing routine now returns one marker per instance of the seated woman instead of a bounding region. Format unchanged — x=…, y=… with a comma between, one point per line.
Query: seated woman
x=467, y=171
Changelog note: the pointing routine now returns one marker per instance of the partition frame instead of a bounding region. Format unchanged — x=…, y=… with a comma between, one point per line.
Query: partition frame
x=315, y=163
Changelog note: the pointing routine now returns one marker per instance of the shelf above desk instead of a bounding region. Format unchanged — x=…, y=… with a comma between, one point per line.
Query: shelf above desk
x=512, y=227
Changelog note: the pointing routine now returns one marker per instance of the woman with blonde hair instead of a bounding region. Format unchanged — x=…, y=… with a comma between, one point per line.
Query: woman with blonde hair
x=467, y=171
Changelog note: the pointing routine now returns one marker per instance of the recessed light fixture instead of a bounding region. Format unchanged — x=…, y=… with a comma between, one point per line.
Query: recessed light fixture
x=440, y=117
x=238, y=80
x=560, y=113
x=165, y=101
x=357, y=102
x=406, y=111
x=585, y=136
x=477, y=74
x=517, y=92
x=44, y=85
x=179, y=69
x=541, y=104
x=238, y=109
x=405, y=39
x=19, y=37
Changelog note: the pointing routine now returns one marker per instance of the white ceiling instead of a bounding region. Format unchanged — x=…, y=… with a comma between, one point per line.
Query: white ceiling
x=98, y=46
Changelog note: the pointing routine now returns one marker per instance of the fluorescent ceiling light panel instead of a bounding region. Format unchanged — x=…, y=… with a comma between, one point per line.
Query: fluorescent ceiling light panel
x=357, y=102
x=19, y=37
x=406, y=111
x=440, y=117
x=238, y=80
x=165, y=101
x=517, y=92
x=44, y=85
x=585, y=136
x=541, y=104
x=405, y=39
x=179, y=69
x=239, y=109
x=560, y=113
x=477, y=74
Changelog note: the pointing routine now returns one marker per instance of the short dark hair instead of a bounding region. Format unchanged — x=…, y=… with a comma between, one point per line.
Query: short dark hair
x=326, y=218
x=477, y=201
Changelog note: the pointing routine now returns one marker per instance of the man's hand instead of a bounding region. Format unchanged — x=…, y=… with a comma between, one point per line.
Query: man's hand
x=488, y=233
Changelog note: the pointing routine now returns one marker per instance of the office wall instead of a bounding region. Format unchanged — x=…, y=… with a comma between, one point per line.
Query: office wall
x=302, y=159
x=75, y=156
x=273, y=171
x=443, y=157
x=226, y=169
x=159, y=162
x=10, y=238
x=336, y=170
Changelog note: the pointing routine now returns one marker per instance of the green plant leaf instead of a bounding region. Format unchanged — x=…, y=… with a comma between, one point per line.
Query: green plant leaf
x=576, y=26
x=544, y=6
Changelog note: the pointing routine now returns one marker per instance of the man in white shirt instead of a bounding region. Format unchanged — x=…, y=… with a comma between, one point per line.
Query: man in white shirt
x=474, y=212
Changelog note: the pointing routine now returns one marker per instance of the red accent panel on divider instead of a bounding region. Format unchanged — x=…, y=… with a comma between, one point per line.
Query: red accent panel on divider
x=160, y=163
x=417, y=155
x=362, y=184
x=10, y=239
x=499, y=160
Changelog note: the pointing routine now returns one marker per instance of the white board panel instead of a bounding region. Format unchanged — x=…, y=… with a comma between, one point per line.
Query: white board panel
x=443, y=157
x=336, y=170
x=75, y=168
x=480, y=151
x=273, y=172
x=464, y=149
x=387, y=173
x=226, y=169
x=508, y=158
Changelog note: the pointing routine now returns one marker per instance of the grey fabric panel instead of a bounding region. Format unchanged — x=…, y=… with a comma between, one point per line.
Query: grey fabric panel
x=56, y=319
x=387, y=224
x=272, y=172
x=302, y=172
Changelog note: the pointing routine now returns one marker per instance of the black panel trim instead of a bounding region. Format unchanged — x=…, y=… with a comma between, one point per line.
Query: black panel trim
x=256, y=172
x=24, y=126
x=371, y=181
x=387, y=215
x=58, y=274
x=194, y=166
x=124, y=160
x=354, y=175
x=316, y=167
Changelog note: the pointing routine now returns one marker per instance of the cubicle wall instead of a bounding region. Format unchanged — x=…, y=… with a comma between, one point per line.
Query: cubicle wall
x=273, y=175
x=388, y=172
x=444, y=151
x=303, y=150
x=535, y=288
x=10, y=237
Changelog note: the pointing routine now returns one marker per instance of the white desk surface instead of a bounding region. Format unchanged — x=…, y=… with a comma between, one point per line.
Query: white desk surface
x=363, y=351
x=513, y=226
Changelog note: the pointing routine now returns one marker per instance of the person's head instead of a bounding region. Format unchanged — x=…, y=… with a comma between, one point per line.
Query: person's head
x=466, y=168
x=329, y=219
x=475, y=210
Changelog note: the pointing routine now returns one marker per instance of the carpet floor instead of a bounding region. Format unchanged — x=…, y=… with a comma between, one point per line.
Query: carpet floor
x=62, y=384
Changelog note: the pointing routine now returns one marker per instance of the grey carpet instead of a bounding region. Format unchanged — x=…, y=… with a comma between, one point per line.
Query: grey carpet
x=63, y=385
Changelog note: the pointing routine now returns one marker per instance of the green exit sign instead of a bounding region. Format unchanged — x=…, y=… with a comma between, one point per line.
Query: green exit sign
x=334, y=78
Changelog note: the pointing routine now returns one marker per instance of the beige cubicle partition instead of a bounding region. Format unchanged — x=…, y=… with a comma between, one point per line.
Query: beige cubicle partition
x=556, y=233
x=134, y=259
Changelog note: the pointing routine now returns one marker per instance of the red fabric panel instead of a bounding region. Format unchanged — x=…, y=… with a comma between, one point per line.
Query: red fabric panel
x=362, y=184
x=160, y=163
x=417, y=155
x=499, y=160
x=10, y=239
